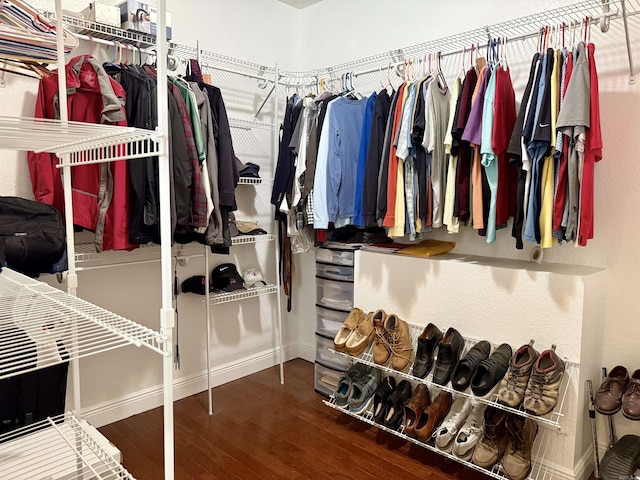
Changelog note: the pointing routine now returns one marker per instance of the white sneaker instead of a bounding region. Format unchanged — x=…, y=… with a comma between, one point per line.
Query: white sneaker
x=448, y=429
x=470, y=433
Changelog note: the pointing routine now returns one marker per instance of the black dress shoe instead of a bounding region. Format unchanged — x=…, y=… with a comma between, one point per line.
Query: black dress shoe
x=385, y=388
x=468, y=364
x=427, y=342
x=449, y=351
x=491, y=370
x=395, y=405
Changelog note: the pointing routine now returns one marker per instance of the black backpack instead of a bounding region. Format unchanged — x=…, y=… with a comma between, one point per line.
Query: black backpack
x=33, y=235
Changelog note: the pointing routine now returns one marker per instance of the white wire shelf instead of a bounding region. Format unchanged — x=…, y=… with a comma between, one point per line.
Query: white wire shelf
x=58, y=448
x=540, y=452
x=249, y=124
x=86, y=143
x=42, y=326
x=255, y=181
x=551, y=420
x=107, y=32
x=242, y=294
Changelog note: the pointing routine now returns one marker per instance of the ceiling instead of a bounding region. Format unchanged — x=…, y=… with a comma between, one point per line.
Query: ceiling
x=300, y=3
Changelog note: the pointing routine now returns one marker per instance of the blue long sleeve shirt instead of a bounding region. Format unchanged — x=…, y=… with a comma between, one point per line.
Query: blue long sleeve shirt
x=358, y=217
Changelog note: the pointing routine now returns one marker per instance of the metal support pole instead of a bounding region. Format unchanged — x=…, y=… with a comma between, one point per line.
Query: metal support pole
x=632, y=70
x=207, y=280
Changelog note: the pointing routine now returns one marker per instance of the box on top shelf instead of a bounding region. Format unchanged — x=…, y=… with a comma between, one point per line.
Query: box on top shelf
x=141, y=17
x=104, y=14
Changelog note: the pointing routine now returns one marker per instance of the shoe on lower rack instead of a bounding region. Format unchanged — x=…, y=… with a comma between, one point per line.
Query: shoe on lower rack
x=516, y=461
x=470, y=433
x=493, y=444
x=621, y=461
x=362, y=390
x=543, y=389
x=344, y=389
x=380, y=397
x=413, y=407
x=395, y=404
x=432, y=415
x=448, y=430
x=514, y=384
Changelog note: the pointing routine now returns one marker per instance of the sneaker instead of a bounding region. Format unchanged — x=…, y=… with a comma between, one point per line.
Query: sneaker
x=345, y=384
x=432, y=415
x=448, y=429
x=449, y=351
x=381, y=348
x=362, y=390
x=361, y=336
x=427, y=343
x=395, y=403
x=608, y=398
x=468, y=365
x=491, y=370
x=516, y=461
x=631, y=397
x=494, y=441
x=514, y=384
x=470, y=433
x=400, y=342
x=385, y=388
x=413, y=408
x=543, y=389
x=350, y=323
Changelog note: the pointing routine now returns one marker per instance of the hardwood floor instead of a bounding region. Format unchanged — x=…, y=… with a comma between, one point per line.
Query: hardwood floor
x=263, y=430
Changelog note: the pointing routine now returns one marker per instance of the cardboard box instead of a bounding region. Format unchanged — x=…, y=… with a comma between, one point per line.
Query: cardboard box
x=141, y=17
x=100, y=13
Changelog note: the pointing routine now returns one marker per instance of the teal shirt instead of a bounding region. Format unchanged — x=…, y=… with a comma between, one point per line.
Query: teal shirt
x=489, y=159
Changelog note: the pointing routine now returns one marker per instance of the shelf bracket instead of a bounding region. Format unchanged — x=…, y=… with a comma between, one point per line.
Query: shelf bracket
x=606, y=20
x=627, y=36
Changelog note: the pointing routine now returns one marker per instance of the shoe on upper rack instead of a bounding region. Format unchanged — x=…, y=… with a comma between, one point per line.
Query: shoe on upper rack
x=361, y=336
x=413, y=408
x=427, y=343
x=382, y=393
x=468, y=364
x=345, y=384
x=491, y=370
x=514, y=384
x=449, y=350
x=543, y=389
x=381, y=348
x=400, y=342
x=432, y=415
x=348, y=326
x=470, y=433
x=516, y=461
x=395, y=404
x=493, y=444
x=608, y=398
x=362, y=390
x=631, y=397
x=448, y=430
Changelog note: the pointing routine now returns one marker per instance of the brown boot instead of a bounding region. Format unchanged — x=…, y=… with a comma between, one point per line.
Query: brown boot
x=413, y=408
x=381, y=348
x=400, y=342
x=432, y=415
x=517, y=458
x=494, y=442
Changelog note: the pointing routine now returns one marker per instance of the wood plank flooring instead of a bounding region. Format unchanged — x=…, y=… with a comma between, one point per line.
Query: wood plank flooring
x=263, y=430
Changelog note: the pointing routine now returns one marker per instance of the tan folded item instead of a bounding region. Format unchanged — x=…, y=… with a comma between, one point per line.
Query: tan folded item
x=428, y=248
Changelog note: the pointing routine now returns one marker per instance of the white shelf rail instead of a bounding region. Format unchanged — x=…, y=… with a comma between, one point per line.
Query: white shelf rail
x=58, y=448
x=241, y=294
x=43, y=326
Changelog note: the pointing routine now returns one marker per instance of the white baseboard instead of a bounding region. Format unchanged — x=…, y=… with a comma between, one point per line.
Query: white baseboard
x=307, y=352
x=152, y=397
x=581, y=471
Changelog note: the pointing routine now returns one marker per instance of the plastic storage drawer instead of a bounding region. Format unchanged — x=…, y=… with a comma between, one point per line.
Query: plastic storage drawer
x=335, y=257
x=326, y=379
x=328, y=358
x=334, y=272
x=328, y=321
x=334, y=294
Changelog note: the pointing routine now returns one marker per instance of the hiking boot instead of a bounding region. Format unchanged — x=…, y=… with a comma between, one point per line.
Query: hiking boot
x=470, y=433
x=609, y=396
x=348, y=326
x=449, y=351
x=413, y=408
x=385, y=388
x=491, y=370
x=361, y=336
x=362, y=390
x=345, y=384
x=543, y=389
x=395, y=403
x=631, y=397
x=514, y=384
x=448, y=429
x=516, y=461
x=621, y=461
x=400, y=342
x=494, y=441
x=427, y=343
x=431, y=416
x=381, y=348
x=468, y=364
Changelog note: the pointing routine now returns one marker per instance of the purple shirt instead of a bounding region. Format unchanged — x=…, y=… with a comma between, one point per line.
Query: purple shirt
x=473, y=131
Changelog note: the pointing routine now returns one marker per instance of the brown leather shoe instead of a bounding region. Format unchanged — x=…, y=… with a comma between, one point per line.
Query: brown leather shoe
x=413, y=408
x=516, y=461
x=400, y=342
x=381, y=348
x=494, y=442
x=350, y=323
x=609, y=396
x=361, y=336
x=432, y=415
x=631, y=398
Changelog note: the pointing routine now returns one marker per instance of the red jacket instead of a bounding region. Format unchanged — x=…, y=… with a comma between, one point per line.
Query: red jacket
x=100, y=191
